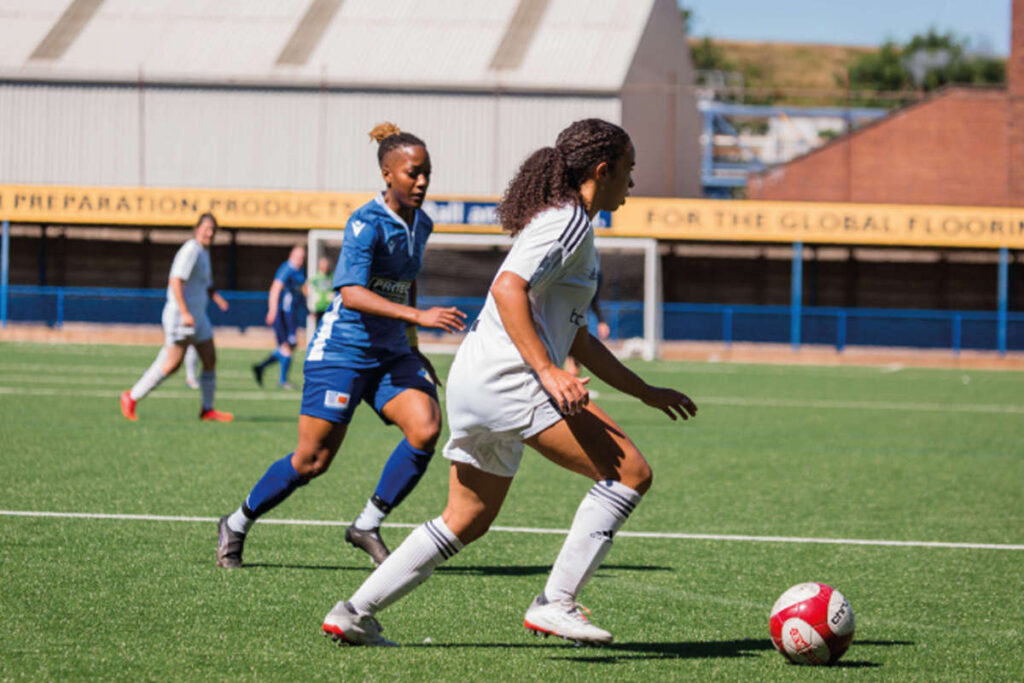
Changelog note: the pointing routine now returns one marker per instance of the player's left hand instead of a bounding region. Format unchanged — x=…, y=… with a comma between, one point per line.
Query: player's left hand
x=221, y=302
x=428, y=365
x=670, y=402
x=449, y=319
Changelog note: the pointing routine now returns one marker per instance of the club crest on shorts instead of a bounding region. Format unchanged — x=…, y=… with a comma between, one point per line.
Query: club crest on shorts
x=335, y=399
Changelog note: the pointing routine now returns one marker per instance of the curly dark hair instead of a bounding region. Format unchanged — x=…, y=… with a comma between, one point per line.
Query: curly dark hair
x=552, y=176
x=390, y=137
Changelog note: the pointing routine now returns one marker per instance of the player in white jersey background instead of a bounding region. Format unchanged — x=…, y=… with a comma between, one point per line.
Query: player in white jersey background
x=185, y=322
x=507, y=388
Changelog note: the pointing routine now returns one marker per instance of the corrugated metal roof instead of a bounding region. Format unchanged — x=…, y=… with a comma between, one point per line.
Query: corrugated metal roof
x=585, y=45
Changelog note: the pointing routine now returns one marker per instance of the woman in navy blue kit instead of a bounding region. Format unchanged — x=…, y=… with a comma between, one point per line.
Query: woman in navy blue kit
x=365, y=349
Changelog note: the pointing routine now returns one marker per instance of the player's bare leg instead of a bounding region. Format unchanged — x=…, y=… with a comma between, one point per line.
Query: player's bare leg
x=418, y=415
x=319, y=441
x=166, y=363
x=474, y=499
x=208, y=383
x=592, y=444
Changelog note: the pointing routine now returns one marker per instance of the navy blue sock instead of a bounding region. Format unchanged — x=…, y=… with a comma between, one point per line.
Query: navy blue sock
x=286, y=363
x=402, y=471
x=276, y=485
x=269, y=360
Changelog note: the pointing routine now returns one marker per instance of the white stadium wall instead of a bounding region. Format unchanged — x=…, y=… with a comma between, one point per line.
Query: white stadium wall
x=269, y=138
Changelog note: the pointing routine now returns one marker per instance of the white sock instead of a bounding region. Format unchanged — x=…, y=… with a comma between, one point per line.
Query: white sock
x=151, y=378
x=411, y=564
x=239, y=523
x=370, y=518
x=207, y=386
x=191, y=363
x=603, y=512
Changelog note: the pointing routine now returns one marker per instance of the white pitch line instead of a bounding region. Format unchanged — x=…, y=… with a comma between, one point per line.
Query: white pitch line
x=736, y=401
x=744, y=401
x=293, y=396
x=538, y=530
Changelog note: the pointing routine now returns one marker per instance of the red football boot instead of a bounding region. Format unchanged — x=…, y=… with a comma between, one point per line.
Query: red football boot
x=128, y=406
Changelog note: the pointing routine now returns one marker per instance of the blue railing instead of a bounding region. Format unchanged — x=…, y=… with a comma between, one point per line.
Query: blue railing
x=838, y=327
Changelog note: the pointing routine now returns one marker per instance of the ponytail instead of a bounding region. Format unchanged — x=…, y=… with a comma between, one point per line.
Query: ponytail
x=552, y=176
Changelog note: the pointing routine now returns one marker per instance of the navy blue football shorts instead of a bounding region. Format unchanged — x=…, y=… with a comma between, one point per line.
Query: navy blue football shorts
x=332, y=393
x=285, y=326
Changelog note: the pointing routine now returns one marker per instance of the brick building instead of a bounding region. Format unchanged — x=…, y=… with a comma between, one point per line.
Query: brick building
x=962, y=146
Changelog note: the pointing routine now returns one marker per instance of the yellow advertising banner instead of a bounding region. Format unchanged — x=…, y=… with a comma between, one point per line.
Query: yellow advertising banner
x=667, y=219
x=886, y=224
x=179, y=207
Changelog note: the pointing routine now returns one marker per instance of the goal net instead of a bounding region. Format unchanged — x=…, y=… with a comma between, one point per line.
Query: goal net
x=458, y=269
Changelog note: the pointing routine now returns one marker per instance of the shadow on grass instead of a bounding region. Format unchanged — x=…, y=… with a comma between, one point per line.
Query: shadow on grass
x=366, y=568
x=615, y=652
x=620, y=652
x=476, y=570
x=531, y=570
x=264, y=418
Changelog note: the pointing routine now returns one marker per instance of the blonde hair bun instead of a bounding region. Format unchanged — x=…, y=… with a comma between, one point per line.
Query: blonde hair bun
x=384, y=130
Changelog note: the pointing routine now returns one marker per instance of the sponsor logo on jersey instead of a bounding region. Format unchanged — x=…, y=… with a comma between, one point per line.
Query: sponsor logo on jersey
x=335, y=399
x=357, y=227
x=392, y=290
x=578, y=319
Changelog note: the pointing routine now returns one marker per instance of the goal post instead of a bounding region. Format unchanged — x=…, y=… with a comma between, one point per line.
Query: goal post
x=328, y=242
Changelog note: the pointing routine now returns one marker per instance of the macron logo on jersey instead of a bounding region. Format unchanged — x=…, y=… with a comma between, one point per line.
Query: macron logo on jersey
x=336, y=399
x=357, y=227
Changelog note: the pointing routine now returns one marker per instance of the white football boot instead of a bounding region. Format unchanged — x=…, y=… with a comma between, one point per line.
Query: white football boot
x=343, y=625
x=565, y=619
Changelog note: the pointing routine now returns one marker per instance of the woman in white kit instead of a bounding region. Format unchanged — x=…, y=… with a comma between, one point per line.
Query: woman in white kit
x=185, y=322
x=506, y=388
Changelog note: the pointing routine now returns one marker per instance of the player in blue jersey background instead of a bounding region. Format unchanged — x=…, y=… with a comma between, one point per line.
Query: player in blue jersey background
x=282, y=314
x=365, y=349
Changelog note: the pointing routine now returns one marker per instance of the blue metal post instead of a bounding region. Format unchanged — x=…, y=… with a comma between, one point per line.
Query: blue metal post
x=841, y=330
x=796, y=295
x=727, y=325
x=1002, y=298
x=707, y=143
x=957, y=333
x=59, y=323
x=5, y=263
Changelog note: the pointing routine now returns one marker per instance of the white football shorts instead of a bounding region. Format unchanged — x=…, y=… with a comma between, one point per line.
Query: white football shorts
x=175, y=332
x=498, y=453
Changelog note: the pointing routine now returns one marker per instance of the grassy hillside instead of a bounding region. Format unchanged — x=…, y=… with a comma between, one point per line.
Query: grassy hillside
x=790, y=73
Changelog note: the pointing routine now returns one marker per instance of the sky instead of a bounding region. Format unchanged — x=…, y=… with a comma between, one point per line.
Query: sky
x=984, y=23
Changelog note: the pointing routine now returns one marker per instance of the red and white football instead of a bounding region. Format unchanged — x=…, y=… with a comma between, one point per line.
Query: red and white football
x=811, y=623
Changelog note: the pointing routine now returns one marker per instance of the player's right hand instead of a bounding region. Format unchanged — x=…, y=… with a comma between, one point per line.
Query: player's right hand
x=270, y=317
x=449, y=319
x=567, y=390
x=670, y=401
x=187, y=320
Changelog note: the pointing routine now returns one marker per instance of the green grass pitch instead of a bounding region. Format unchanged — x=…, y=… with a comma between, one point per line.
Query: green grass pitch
x=828, y=453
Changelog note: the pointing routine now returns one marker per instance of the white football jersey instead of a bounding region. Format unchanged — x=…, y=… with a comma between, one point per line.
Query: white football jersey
x=192, y=265
x=490, y=386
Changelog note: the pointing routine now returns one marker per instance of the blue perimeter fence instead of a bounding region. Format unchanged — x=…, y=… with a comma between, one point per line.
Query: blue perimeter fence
x=838, y=327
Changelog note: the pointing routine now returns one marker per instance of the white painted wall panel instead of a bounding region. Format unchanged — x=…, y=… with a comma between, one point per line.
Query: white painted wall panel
x=69, y=134
x=270, y=139
x=231, y=138
x=458, y=130
x=529, y=123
